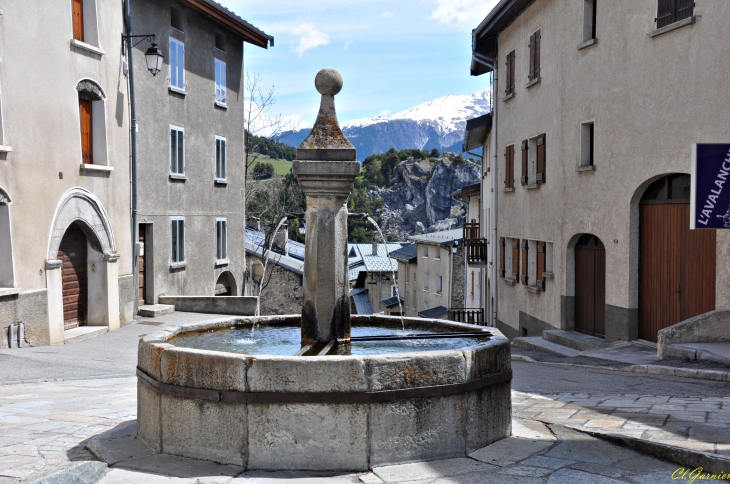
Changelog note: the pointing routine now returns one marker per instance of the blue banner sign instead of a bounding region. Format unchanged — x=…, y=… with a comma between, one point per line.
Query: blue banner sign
x=710, y=199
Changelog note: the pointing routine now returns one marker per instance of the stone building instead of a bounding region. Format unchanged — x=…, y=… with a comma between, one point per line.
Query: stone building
x=190, y=148
x=371, y=274
x=597, y=106
x=65, y=235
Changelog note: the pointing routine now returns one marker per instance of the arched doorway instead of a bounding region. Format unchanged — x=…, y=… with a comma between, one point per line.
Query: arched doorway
x=676, y=264
x=590, y=286
x=72, y=254
x=225, y=285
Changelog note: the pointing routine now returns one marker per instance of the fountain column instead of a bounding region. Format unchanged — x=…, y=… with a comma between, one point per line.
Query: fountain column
x=326, y=167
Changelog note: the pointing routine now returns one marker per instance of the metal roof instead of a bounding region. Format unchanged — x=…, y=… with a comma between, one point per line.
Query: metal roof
x=434, y=312
x=227, y=18
x=467, y=191
x=380, y=262
x=443, y=237
x=407, y=253
x=484, y=37
x=362, y=303
x=477, y=130
x=392, y=301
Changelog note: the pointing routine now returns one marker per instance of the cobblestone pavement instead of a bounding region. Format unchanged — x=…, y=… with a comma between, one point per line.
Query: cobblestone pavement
x=46, y=426
x=695, y=423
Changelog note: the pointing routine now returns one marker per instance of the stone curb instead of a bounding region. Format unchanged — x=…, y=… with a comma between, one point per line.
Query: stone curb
x=688, y=458
x=87, y=472
x=68, y=378
x=712, y=375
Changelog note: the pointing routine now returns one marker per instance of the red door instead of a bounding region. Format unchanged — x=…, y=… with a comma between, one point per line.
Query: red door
x=590, y=286
x=72, y=254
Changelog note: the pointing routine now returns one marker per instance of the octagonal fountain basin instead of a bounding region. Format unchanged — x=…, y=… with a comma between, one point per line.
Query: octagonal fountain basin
x=365, y=404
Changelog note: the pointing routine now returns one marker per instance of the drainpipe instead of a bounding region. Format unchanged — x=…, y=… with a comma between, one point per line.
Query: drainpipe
x=133, y=148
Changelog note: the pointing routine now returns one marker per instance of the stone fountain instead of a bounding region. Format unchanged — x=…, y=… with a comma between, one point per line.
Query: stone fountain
x=332, y=405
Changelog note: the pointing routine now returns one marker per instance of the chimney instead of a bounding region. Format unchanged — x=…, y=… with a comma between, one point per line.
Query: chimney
x=375, y=248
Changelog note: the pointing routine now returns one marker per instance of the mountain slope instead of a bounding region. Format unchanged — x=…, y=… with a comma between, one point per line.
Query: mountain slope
x=438, y=124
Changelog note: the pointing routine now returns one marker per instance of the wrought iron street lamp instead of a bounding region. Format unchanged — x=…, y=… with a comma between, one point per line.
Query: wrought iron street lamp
x=154, y=57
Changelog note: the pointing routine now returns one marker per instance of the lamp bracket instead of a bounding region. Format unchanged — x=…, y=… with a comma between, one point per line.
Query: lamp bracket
x=147, y=37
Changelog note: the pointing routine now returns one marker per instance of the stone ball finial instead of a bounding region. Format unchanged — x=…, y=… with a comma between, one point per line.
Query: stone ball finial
x=328, y=81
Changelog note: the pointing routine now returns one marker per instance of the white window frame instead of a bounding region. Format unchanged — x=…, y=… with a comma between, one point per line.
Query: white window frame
x=425, y=252
x=394, y=290
x=219, y=163
x=221, y=92
x=221, y=243
x=532, y=162
x=179, y=68
x=439, y=285
x=177, y=254
x=177, y=164
x=425, y=282
x=532, y=263
x=437, y=256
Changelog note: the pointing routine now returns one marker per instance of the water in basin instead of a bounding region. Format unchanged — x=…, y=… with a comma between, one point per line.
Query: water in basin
x=285, y=341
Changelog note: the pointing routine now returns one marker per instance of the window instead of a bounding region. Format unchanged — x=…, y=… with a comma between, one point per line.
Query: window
x=509, y=258
x=221, y=239
x=472, y=285
x=533, y=161
x=83, y=15
x=510, y=73
x=220, y=158
x=437, y=256
x=534, y=71
x=177, y=150
x=220, y=41
x=414, y=301
x=92, y=123
x=87, y=143
x=425, y=251
x=587, y=132
x=177, y=19
x=509, y=168
x=425, y=306
x=7, y=278
x=177, y=64
x=541, y=264
x=670, y=11
x=177, y=238
x=589, y=20
x=439, y=282
x=393, y=291
x=77, y=8
x=549, y=258
x=220, y=82
x=425, y=282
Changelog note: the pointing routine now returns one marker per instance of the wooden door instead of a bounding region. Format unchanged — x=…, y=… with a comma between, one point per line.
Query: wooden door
x=72, y=254
x=676, y=264
x=87, y=146
x=590, y=286
x=141, y=264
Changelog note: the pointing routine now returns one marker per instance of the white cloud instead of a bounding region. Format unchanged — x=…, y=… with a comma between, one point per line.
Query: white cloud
x=347, y=45
x=387, y=14
x=310, y=38
x=461, y=12
x=384, y=112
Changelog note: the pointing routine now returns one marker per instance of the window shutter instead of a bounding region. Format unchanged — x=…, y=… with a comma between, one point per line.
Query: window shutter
x=77, y=8
x=506, y=168
x=683, y=9
x=501, y=257
x=540, y=175
x=512, y=72
x=524, y=179
x=540, y=266
x=531, y=72
x=665, y=13
x=515, y=258
x=512, y=166
x=87, y=147
x=525, y=247
x=508, y=72
x=536, y=48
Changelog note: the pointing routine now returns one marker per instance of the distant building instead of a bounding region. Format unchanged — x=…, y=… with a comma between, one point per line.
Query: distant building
x=371, y=273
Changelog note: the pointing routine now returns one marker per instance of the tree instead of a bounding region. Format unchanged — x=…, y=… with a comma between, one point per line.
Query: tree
x=263, y=170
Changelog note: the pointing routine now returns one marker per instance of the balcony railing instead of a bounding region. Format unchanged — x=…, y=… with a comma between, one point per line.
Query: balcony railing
x=467, y=315
x=477, y=251
x=471, y=230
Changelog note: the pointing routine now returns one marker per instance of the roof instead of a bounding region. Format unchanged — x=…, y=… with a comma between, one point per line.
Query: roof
x=434, y=312
x=484, y=37
x=443, y=237
x=392, y=301
x=221, y=15
x=407, y=253
x=364, y=260
x=362, y=303
x=467, y=191
x=254, y=242
x=477, y=130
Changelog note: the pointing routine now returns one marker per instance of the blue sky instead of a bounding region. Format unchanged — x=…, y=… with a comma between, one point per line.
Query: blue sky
x=392, y=54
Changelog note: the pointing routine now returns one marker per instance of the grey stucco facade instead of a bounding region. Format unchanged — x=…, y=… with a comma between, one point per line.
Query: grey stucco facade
x=199, y=194
x=649, y=98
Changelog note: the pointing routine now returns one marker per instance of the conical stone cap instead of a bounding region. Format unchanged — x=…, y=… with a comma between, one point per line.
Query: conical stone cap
x=326, y=142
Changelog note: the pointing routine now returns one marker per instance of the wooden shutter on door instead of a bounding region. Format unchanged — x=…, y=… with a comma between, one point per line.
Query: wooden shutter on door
x=509, y=167
x=525, y=248
x=501, y=257
x=77, y=9
x=524, y=178
x=515, y=258
x=540, y=175
x=536, y=49
x=86, y=132
x=540, y=270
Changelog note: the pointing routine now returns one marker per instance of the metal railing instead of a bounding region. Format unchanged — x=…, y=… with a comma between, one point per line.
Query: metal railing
x=467, y=315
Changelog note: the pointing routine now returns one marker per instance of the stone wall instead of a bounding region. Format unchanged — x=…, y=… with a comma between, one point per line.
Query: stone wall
x=30, y=308
x=458, y=278
x=126, y=299
x=284, y=292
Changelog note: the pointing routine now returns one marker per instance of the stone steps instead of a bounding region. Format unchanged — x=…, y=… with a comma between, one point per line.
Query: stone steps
x=540, y=344
x=573, y=339
x=81, y=333
x=155, y=310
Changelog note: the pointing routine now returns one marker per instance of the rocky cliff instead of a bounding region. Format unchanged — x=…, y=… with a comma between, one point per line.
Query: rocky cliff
x=420, y=200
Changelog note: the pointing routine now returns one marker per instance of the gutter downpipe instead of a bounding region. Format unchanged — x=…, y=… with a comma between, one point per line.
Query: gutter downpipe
x=133, y=147
x=492, y=64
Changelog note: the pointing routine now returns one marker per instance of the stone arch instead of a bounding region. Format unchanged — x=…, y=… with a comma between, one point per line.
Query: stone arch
x=7, y=276
x=90, y=89
x=80, y=205
x=226, y=280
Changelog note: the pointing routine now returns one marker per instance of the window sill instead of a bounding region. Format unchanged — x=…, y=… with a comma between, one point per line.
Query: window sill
x=508, y=190
x=178, y=265
x=510, y=282
x=96, y=168
x=533, y=82
x=6, y=149
x=439, y=294
x=9, y=291
x=674, y=26
x=86, y=47
x=508, y=97
x=533, y=186
x=585, y=168
x=548, y=275
x=177, y=90
x=533, y=289
x=223, y=262
x=178, y=177
x=221, y=181
x=587, y=43
x=221, y=105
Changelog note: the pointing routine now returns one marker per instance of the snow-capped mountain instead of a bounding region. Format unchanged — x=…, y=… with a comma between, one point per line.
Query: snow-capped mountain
x=439, y=123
